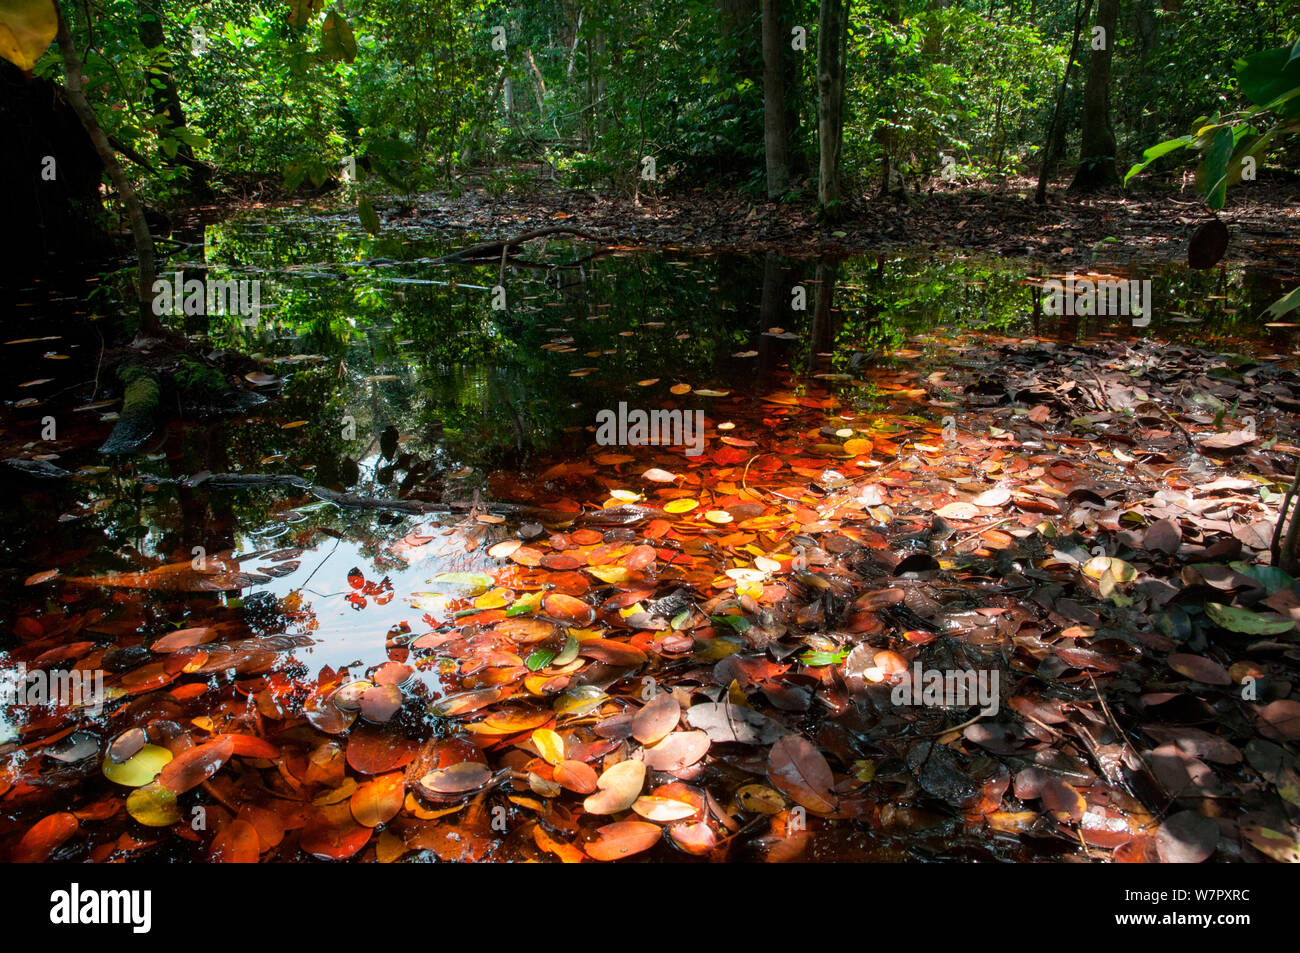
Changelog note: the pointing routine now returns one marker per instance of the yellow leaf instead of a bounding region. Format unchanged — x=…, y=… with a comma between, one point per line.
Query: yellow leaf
x=27, y=27
x=549, y=745
x=139, y=769
x=153, y=805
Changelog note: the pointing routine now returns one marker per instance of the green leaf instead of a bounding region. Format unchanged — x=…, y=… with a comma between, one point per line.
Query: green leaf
x=476, y=583
x=1156, y=151
x=816, y=659
x=1268, y=75
x=570, y=650
x=1243, y=620
x=737, y=622
x=1284, y=305
x=1213, y=172
x=1270, y=577
x=539, y=658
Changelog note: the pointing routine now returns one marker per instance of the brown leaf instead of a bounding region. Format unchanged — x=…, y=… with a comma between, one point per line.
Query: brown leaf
x=677, y=751
x=1187, y=838
x=1200, y=669
x=798, y=769
x=191, y=768
x=656, y=719
x=1163, y=536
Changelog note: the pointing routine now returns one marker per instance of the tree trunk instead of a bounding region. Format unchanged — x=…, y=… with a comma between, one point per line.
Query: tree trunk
x=775, y=140
x=821, y=336
x=832, y=42
x=1057, y=124
x=144, y=249
x=166, y=98
x=1097, y=151
x=602, y=87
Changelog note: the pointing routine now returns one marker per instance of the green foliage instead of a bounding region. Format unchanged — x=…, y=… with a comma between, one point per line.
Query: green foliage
x=1227, y=146
x=927, y=83
x=416, y=93
x=195, y=378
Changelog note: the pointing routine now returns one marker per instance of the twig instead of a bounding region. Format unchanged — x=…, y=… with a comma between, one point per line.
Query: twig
x=1146, y=768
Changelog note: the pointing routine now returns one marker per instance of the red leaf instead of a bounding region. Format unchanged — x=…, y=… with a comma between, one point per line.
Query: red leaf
x=623, y=839
x=236, y=843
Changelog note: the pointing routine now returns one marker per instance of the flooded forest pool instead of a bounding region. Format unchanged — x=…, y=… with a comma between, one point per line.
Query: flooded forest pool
x=402, y=605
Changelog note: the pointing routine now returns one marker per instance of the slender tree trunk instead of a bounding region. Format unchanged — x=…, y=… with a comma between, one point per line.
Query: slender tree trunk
x=144, y=249
x=539, y=84
x=1045, y=169
x=166, y=98
x=1097, y=151
x=832, y=44
x=775, y=141
x=602, y=86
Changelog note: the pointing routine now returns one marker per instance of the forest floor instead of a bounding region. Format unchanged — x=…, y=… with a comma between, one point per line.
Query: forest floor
x=1000, y=219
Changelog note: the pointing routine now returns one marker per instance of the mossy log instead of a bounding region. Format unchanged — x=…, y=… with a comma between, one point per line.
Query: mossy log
x=139, y=416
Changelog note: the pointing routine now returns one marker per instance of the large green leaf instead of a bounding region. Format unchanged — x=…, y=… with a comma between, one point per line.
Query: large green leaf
x=1284, y=305
x=1156, y=151
x=1270, y=75
x=1213, y=171
x=1243, y=620
x=27, y=27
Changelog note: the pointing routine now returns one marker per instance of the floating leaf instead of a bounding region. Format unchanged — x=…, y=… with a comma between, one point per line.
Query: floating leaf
x=378, y=800
x=192, y=767
x=45, y=836
x=549, y=745
x=616, y=841
x=679, y=750
x=153, y=805
x=656, y=719
x=236, y=843
x=799, y=769
x=139, y=769
x=617, y=789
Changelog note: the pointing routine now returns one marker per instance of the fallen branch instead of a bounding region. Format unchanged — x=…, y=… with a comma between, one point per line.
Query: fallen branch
x=495, y=248
x=616, y=515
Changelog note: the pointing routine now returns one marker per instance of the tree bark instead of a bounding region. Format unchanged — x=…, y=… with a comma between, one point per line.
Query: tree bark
x=1045, y=168
x=166, y=98
x=832, y=43
x=775, y=139
x=1097, y=151
x=144, y=250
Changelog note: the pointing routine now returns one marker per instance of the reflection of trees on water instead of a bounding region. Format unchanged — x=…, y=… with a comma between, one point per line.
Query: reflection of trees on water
x=490, y=388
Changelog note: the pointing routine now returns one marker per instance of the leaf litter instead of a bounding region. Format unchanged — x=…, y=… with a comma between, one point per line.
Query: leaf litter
x=704, y=658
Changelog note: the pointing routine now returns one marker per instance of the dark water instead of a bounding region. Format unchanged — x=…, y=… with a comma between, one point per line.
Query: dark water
x=397, y=378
